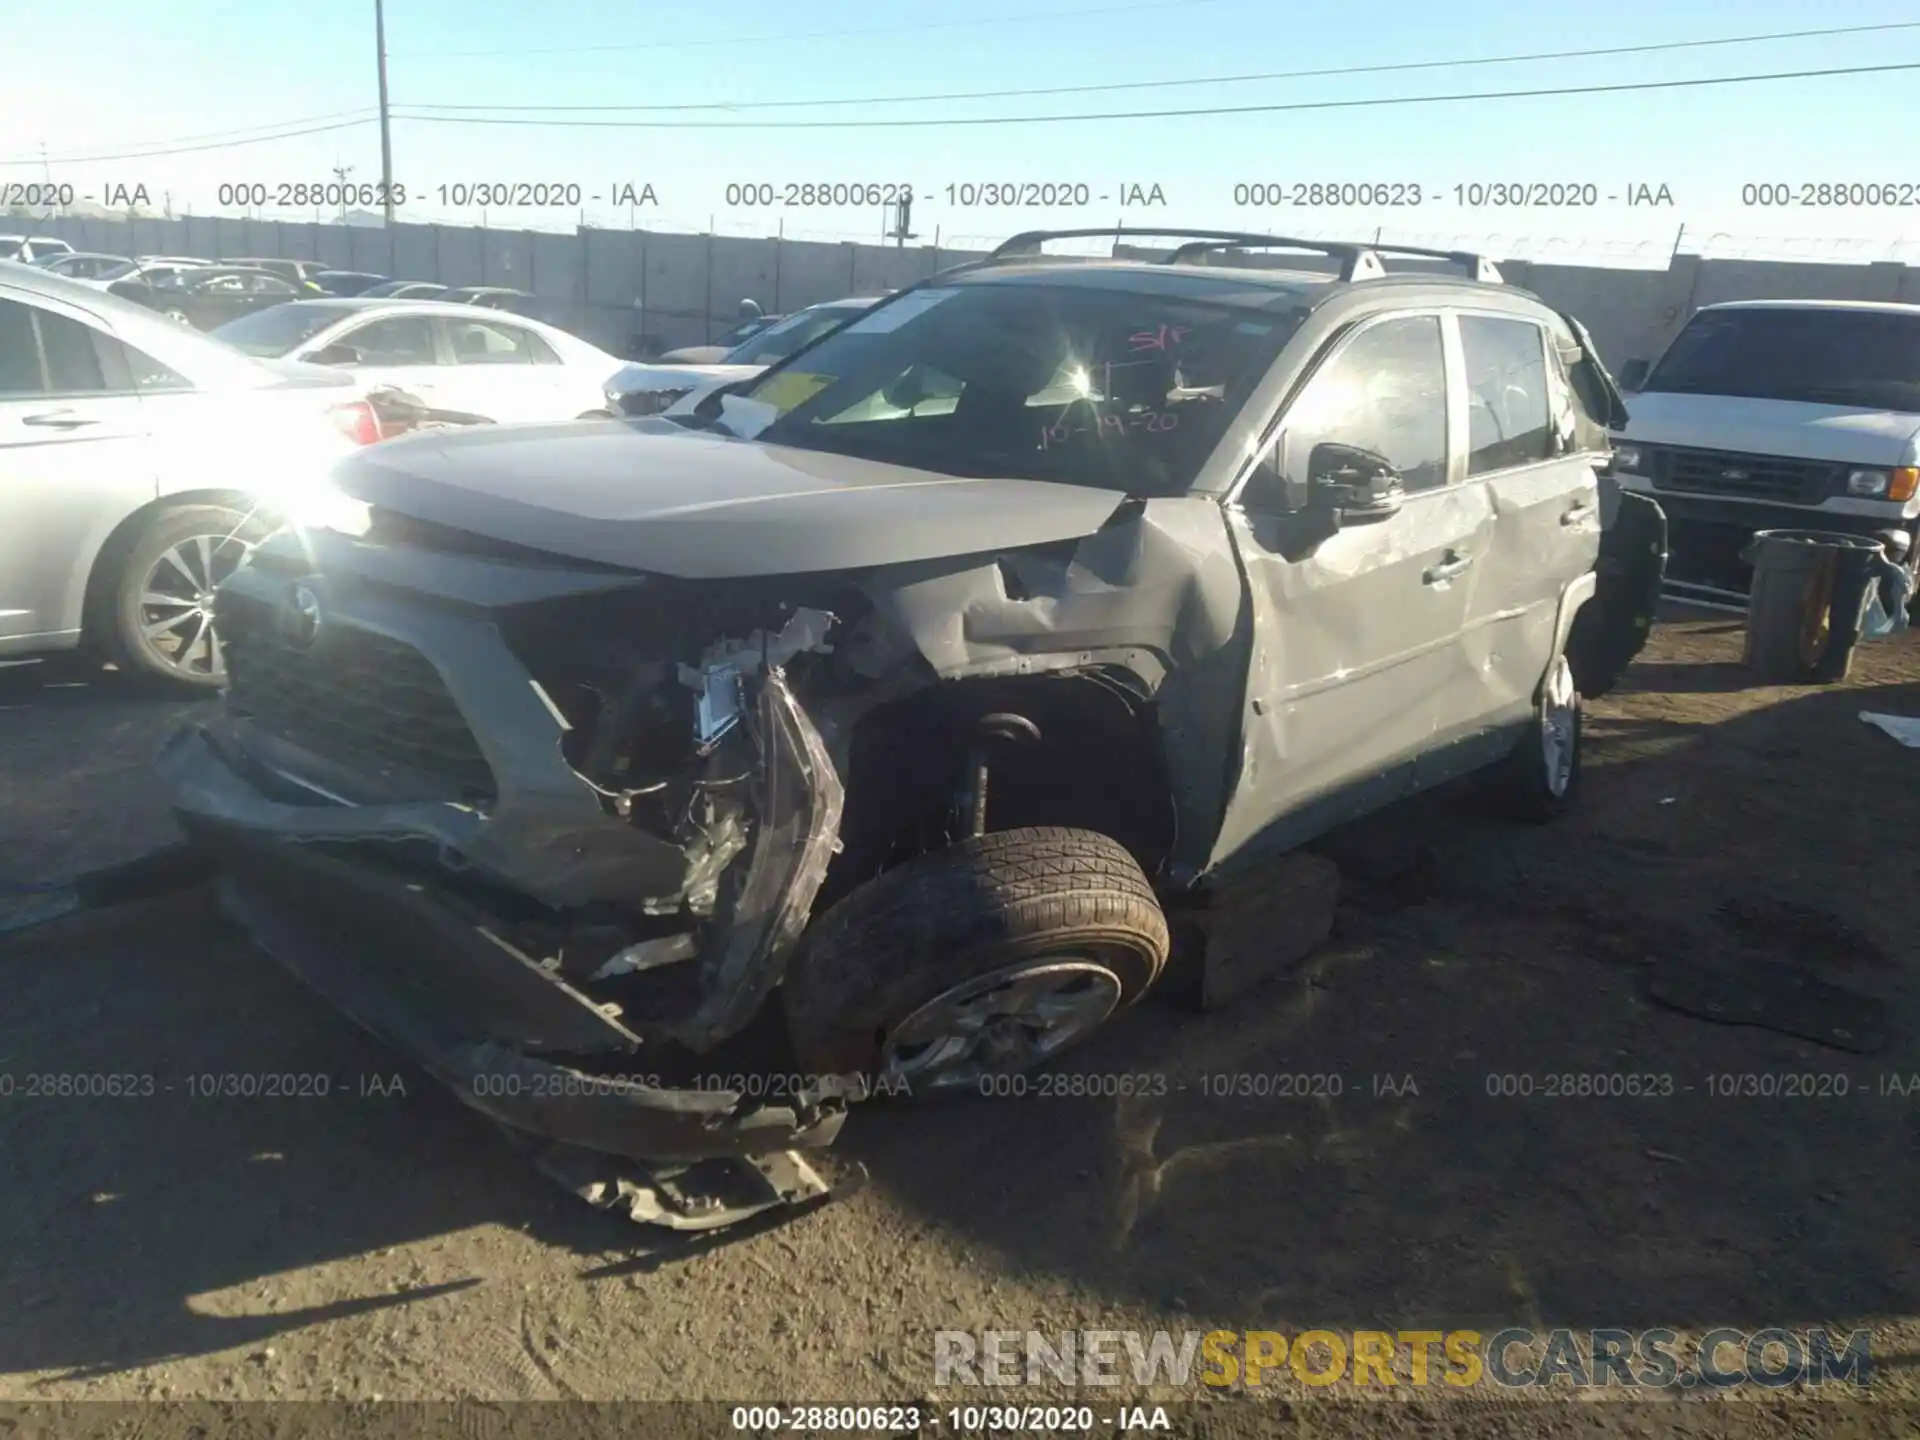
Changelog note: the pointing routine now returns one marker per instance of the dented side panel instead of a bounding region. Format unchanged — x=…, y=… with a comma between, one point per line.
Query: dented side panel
x=1358, y=662
x=1155, y=593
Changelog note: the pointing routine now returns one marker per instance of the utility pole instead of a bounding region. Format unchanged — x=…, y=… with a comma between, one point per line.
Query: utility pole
x=386, y=124
x=340, y=173
x=902, y=230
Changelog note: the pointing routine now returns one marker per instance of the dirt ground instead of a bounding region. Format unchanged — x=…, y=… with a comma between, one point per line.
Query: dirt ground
x=383, y=1241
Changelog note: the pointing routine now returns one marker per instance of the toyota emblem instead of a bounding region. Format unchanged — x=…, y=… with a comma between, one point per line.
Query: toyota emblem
x=300, y=617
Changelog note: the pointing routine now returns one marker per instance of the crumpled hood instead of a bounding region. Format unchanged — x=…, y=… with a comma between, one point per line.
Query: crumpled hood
x=649, y=495
x=1843, y=434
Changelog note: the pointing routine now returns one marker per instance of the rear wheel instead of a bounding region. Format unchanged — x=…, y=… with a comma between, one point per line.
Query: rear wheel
x=158, y=619
x=988, y=958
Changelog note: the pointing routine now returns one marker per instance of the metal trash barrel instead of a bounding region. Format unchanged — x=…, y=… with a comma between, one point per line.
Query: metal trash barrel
x=1808, y=603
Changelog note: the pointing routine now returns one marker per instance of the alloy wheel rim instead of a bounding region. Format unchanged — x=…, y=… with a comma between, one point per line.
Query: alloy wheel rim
x=1002, y=1023
x=1559, y=717
x=176, y=603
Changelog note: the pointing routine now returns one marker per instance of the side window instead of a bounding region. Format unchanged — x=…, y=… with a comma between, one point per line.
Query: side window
x=477, y=342
x=1385, y=392
x=147, y=373
x=401, y=340
x=1508, y=418
x=541, y=351
x=73, y=364
x=19, y=352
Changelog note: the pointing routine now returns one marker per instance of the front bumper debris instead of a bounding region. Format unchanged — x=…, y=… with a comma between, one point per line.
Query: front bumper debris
x=413, y=961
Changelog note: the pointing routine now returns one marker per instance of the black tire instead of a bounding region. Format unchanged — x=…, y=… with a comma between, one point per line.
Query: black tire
x=596, y=415
x=1529, y=790
x=969, y=911
x=122, y=616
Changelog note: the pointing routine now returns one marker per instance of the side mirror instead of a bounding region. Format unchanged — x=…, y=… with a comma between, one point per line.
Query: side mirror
x=1356, y=485
x=335, y=354
x=1633, y=374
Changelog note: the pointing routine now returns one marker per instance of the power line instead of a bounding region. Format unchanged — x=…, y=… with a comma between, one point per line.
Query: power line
x=1027, y=19
x=1168, y=114
x=1203, y=80
x=170, y=148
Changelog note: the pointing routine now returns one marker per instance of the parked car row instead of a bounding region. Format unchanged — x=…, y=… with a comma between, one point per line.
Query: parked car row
x=144, y=458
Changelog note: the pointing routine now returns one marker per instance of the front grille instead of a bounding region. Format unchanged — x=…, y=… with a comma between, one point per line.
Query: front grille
x=636, y=403
x=373, y=705
x=1745, y=477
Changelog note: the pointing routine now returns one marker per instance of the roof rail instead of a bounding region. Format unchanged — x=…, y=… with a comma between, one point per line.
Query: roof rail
x=1357, y=261
x=1477, y=267
x=1028, y=242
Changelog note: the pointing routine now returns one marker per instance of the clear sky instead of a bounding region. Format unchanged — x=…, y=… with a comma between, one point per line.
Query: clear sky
x=103, y=77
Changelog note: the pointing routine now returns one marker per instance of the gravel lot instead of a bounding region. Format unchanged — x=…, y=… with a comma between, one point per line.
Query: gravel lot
x=383, y=1241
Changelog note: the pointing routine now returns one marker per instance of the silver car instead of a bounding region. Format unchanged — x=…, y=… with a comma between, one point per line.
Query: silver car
x=140, y=462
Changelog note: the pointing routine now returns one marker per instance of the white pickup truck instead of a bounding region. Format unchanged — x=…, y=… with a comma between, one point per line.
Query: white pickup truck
x=1771, y=415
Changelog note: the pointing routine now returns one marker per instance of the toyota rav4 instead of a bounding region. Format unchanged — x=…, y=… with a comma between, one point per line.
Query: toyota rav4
x=886, y=697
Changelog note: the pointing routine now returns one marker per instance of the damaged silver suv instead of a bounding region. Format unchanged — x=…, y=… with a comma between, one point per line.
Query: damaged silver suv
x=883, y=698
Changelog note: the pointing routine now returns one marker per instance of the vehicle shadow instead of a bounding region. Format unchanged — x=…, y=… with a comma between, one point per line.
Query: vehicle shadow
x=1376, y=1141
x=1339, y=1148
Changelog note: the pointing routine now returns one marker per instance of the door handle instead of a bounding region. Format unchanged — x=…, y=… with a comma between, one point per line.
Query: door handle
x=1578, y=513
x=58, y=420
x=1455, y=564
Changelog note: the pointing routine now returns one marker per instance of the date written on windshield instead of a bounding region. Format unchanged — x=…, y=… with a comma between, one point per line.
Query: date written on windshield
x=1470, y=195
x=1110, y=426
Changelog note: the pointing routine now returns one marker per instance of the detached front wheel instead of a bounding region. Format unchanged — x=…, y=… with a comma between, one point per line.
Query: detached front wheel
x=987, y=958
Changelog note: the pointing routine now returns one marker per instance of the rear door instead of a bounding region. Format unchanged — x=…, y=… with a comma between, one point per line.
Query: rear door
x=74, y=459
x=496, y=366
x=398, y=351
x=1357, y=666
x=1520, y=423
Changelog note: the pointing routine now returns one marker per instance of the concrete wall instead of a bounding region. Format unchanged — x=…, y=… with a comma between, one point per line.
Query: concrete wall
x=615, y=286
x=612, y=286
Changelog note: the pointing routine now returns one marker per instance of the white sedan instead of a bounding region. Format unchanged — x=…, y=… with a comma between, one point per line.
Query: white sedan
x=649, y=389
x=481, y=362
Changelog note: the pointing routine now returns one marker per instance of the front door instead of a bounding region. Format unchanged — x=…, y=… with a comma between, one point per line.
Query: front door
x=1358, y=665
x=496, y=372
x=74, y=458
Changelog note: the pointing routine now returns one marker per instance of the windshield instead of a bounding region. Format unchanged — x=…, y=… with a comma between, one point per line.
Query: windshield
x=777, y=342
x=1869, y=358
x=1084, y=385
x=279, y=329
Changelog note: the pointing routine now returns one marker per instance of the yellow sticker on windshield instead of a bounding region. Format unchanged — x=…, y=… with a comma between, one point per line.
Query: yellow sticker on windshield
x=791, y=388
